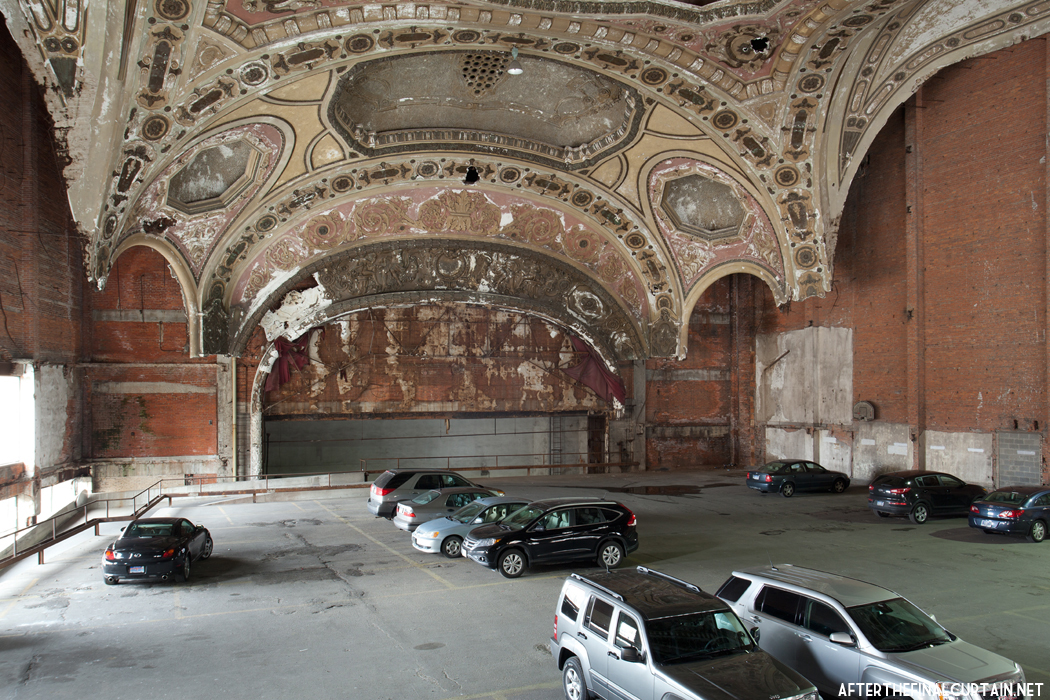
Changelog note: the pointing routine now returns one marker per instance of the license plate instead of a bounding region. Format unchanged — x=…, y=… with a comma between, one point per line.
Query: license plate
x=136, y=569
x=880, y=503
x=989, y=523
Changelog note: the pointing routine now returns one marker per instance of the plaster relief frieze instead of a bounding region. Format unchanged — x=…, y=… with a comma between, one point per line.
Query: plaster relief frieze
x=160, y=66
x=750, y=236
x=448, y=212
x=911, y=45
x=61, y=33
x=558, y=290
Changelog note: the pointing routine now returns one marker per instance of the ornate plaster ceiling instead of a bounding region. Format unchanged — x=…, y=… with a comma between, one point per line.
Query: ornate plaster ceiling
x=648, y=149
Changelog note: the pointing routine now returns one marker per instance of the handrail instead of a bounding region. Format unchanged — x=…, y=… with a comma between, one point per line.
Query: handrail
x=163, y=488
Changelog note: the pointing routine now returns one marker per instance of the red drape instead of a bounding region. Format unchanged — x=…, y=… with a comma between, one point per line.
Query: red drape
x=288, y=353
x=593, y=375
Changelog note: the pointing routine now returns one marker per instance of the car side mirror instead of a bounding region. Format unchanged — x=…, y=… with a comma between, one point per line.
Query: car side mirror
x=755, y=633
x=843, y=638
x=630, y=655
x=478, y=520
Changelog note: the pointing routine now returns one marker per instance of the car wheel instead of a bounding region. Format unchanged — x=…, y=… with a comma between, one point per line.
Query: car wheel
x=452, y=547
x=610, y=555
x=839, y=486
x=573, y=682
x=208, y=547
x=787, y=490
x=184, y=572
x=1038, y=531
x=511, y=563
x=111, y=580
x=919, y=514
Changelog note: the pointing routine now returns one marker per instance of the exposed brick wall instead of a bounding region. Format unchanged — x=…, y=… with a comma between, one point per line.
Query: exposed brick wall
x=941, y=261
x=41, y=267
x=695, y=412
x=144, y=396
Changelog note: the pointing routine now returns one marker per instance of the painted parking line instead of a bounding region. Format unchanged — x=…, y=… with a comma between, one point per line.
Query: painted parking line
x=389, y=549
x=17, y=598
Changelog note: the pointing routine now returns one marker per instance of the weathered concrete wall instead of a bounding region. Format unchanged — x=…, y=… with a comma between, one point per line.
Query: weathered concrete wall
x=805, y=377
x=141, y=473
x=881, y=447
x=55, y=391
x=966, y=455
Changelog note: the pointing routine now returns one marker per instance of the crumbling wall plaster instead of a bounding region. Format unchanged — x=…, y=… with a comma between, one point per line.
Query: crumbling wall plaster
x=805, y=377
x=54, y=387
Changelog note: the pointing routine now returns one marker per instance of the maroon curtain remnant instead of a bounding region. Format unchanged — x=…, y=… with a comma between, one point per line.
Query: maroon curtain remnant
x=288, y=353
x=593, y=375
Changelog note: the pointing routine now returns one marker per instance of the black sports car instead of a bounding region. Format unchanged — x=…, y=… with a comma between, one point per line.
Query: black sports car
x=152, y=548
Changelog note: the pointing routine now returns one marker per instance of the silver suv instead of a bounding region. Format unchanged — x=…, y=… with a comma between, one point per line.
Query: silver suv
x=396, y=485
x=643, y=634
x=855, y=638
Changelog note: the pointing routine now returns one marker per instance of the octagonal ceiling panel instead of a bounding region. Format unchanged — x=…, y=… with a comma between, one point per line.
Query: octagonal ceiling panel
x=553, y=112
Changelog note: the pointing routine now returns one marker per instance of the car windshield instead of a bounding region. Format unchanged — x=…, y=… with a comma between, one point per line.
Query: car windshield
x=774, y=467
x=149, y=530
x=1010, y=497
x=424, y=498
x=896, y=625
x=521, y=518
x=467, y=512
x=675, y=640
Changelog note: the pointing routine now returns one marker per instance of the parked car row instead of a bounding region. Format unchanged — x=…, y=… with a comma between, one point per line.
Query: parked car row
x=772, y=632
x=448, y=513
x=920, y=495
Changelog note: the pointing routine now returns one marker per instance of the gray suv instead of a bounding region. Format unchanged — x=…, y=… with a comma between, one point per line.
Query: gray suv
x=643, y=634
x=396, y=485
x=855, y=638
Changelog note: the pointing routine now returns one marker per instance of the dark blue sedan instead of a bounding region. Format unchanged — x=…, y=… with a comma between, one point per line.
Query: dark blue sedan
x=786, y=476
x=1014, y=510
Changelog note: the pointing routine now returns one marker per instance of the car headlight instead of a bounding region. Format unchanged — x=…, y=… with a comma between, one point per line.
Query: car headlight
x=811, y=695
x=431, y=535
x=487, y=542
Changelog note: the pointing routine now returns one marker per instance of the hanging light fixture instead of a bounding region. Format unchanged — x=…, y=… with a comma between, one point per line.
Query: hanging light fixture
x=514, y=68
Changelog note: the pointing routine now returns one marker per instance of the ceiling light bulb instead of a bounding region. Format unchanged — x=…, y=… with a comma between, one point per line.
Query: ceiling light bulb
x=514, y=68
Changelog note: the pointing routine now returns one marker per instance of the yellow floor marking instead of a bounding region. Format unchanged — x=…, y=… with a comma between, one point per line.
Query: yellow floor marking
x=226, y=515
x=297, y=505
x=389, y=549
x=178, y=608
x=17, y=598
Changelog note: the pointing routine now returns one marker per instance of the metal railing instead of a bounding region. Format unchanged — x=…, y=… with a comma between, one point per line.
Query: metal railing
x=72, y=521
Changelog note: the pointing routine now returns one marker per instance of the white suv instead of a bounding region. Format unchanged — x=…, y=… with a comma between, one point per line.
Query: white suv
x=855, y=638
x=643, y=634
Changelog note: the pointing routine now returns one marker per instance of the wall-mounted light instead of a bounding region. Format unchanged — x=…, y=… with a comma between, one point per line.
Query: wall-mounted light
x=514, y=68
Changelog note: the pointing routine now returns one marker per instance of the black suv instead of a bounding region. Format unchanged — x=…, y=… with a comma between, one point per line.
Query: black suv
x=553, y=531
x=643, y=634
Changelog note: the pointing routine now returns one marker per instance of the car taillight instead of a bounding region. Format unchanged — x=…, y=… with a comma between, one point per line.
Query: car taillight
x=555, y=625
x=631, y=521
x=898, y=492
x=974, y=509
x=168, y=554
x=871, y=487
x=110, y=556
x=769, y=478
x=1011, y=514
x=380, y=491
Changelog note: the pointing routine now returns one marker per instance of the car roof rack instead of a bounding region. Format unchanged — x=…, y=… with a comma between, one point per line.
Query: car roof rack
x=600, y=587
x=677, y=581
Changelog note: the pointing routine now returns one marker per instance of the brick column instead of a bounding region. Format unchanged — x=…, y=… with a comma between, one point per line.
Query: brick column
x=914, y=231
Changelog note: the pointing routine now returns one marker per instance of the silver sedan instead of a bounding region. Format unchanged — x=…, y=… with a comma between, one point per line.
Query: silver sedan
x=436, y=503
x=446, y=534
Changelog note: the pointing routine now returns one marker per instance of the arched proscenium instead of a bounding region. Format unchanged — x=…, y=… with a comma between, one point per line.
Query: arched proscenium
x=396, y=272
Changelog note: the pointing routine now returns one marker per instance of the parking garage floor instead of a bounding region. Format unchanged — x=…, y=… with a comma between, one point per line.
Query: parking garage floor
x=315, y=598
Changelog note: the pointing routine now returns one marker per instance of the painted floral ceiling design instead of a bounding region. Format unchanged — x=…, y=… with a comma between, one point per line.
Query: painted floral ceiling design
x=644, y=149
